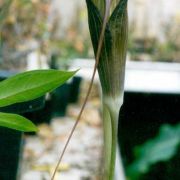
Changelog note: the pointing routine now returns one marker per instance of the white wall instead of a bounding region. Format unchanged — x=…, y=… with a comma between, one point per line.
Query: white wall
x=66, y=12
x=147, y=17
x=150, y=16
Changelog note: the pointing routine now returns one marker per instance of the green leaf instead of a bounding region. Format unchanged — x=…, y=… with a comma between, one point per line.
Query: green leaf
x=161, y=148
x=17, y=122
x=30, y=85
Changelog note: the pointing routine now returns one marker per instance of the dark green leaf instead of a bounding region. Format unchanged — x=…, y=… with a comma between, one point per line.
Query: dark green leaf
x=161, y=148
x=30, y=85
x=17, y=122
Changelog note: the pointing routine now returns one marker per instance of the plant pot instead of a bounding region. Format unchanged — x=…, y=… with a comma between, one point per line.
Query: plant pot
x=60, y=100
x=25, y=107
x=11, y=140
x=42, y=115
x=75, y=89
x=10, y=152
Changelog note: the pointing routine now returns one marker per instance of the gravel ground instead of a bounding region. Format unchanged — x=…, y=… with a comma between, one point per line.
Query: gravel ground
x=82, y=160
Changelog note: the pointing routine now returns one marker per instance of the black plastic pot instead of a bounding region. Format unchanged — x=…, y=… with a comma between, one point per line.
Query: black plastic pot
x=42, y=115
x=11, y=140
x=60, y=100
x=10, y=152
x=25, y=107
x=75, y=89
x=63, y=95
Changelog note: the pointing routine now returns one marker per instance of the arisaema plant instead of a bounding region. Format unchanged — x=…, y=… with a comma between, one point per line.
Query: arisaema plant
x=108, y=24
x=108, y=28
x=111, y=69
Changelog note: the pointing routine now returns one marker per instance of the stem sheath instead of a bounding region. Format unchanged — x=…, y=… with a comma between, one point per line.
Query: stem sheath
x=110, y=125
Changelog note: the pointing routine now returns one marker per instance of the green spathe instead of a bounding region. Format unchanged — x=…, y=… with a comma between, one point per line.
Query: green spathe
x=113, y=55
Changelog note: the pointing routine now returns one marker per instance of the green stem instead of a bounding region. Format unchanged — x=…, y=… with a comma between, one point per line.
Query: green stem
x=110, y=125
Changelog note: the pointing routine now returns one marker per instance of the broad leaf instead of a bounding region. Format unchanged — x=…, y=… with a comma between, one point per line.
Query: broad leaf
x=30, y=85
x=161, y=148
x=17, y=122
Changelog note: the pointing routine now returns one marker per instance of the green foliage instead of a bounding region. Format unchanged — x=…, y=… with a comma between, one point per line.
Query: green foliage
x=30, y=85
x=162, y=148
x=17, y=122
x=27, y=86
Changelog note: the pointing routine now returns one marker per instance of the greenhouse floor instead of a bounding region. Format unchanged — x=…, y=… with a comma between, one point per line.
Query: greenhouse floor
x=82, y=160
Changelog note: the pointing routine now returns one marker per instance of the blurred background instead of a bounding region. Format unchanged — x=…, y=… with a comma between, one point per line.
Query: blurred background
x=42, y=34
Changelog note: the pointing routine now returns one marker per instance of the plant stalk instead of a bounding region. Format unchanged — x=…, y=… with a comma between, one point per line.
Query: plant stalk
x=111, y=69
x=111, y=108
x=99, y=48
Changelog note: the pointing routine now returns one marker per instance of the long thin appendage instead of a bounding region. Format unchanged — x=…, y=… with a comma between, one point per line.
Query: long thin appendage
x=105, y=20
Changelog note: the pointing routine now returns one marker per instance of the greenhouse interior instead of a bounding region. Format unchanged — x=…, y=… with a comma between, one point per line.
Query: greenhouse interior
x=89, y=90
